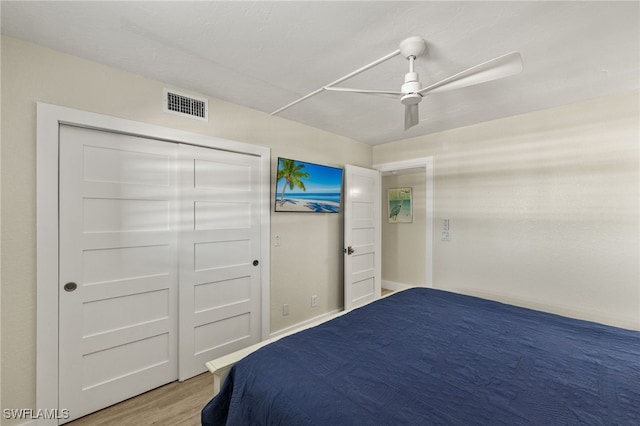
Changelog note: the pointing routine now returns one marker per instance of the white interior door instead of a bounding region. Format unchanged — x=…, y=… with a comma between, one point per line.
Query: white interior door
x=219, y=255
x=362, y=237
x=118, y=267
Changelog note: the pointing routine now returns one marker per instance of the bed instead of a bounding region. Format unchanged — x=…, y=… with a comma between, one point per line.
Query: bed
x=426, y=356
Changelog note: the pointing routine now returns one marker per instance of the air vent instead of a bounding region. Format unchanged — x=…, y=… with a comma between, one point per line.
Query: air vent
x=188, y=106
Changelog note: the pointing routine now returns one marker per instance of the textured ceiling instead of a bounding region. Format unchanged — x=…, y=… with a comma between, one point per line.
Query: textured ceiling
x=264, y=55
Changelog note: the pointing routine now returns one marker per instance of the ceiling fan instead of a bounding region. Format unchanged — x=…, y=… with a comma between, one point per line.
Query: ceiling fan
x=411, y=92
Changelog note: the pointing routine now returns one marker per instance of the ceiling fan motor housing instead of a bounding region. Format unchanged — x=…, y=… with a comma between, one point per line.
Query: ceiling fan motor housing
x=410, y=88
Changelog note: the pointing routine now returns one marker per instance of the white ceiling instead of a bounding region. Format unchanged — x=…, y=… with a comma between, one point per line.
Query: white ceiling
x=266, y=54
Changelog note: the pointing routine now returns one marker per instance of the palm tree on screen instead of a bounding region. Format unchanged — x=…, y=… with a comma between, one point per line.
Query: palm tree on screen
x=292, y=174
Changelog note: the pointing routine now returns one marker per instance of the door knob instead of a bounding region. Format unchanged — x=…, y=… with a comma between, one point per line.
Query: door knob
x=70, y=286
x=256, y=262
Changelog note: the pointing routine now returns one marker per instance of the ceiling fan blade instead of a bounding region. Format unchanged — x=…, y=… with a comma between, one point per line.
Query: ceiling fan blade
x=500, y=67
x=411, y=116
x=385, y=93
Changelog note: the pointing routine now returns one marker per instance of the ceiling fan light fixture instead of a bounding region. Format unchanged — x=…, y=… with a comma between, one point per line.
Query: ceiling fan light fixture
x=410, y=89
x=411, y=99
x=411, y=83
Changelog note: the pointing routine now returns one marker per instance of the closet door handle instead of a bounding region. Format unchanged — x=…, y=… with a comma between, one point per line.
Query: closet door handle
x=70, y=286
x=256, y=262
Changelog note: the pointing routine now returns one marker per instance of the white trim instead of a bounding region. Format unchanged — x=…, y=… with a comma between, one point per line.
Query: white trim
x=391, y=285
x=427, y=164
x=302, y=325
x=49, y=117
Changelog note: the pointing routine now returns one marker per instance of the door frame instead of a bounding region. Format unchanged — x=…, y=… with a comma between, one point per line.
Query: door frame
x=425, y=163
x=49, y=118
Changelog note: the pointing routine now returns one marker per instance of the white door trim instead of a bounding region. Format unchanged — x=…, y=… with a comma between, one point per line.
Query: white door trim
x=425, y=163
x=49, y=117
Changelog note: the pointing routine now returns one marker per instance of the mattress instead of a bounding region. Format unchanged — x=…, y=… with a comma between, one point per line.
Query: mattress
x=426, y=356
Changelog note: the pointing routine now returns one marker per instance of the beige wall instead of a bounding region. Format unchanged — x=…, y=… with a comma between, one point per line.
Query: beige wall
x=543, y=208
x=308, y=261
x=404, y=244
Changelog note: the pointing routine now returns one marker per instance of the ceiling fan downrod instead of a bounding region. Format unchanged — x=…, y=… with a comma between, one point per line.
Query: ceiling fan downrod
x=411, y=85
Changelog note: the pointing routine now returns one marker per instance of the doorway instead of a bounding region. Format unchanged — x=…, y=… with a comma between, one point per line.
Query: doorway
x=416, y=174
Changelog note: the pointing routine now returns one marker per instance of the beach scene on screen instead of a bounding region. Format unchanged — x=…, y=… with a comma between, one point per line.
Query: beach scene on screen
x=307, y=187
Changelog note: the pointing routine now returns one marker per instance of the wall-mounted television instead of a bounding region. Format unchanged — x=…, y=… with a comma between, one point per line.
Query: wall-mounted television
x=307, y=187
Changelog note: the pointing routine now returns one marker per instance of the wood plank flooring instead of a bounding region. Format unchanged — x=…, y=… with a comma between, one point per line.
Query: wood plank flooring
x=171, y=405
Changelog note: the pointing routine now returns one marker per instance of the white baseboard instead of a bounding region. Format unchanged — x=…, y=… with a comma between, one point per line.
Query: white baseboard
x=302, y=324
x=385, y=284
x=391, y=285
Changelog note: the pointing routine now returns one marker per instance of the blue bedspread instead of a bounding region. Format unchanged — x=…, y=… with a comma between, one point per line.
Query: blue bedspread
x=424, y=356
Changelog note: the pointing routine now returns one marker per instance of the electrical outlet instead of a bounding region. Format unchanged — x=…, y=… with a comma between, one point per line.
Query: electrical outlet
x=285, y=310
x=446, y=236
x=276, y=240
x=314, y=300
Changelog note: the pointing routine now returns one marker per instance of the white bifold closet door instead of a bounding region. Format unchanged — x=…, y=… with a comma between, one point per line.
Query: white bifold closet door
x=153, y=236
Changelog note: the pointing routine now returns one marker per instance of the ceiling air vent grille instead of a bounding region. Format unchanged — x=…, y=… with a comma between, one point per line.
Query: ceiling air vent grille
x=189, y=106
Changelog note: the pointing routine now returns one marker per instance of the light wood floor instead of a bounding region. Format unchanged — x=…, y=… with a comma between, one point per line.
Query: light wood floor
x=172, y=405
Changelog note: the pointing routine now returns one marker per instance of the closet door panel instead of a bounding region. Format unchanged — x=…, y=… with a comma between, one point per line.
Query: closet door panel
x=118, y=267
x=219, y=255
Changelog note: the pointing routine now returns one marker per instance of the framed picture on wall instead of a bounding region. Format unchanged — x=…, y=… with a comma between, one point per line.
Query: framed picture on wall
x=400, y=205
x=305, y=187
